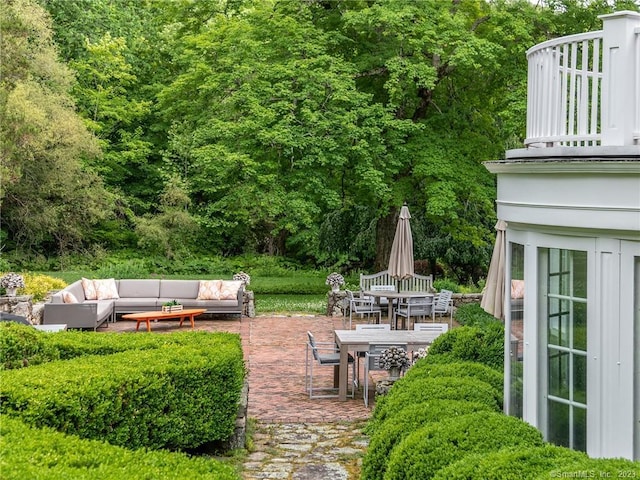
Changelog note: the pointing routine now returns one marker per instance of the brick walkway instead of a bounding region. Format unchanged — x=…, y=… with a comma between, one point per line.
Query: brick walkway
x=274, y=349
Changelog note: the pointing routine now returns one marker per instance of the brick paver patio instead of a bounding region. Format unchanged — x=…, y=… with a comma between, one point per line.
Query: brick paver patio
x=274, y=349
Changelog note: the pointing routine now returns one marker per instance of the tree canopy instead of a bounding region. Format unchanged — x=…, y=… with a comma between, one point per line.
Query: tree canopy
x=270, y=126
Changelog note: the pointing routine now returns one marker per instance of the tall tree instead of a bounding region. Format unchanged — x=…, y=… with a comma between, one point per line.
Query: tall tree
x=49, y=201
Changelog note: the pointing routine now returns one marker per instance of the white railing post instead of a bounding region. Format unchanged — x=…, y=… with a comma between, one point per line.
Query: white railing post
x=621, y=79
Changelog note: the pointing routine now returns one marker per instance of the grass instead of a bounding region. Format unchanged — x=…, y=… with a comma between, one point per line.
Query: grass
x=291, y=304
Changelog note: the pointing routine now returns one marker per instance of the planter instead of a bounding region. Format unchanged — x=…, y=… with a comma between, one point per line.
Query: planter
x=335, y=288
x=171, y=308
x=11, y=292
x=394, y=373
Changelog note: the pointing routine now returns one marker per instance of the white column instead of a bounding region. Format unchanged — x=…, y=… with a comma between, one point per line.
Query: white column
x=620, y=79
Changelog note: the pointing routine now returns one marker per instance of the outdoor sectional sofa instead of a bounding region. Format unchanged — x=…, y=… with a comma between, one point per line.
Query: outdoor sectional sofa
x=70, y=306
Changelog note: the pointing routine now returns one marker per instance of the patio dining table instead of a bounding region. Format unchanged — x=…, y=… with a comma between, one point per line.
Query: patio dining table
x=359, y=341
x=390, y=294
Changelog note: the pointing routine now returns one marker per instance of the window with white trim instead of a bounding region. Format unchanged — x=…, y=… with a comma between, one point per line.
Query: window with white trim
x=565, y=345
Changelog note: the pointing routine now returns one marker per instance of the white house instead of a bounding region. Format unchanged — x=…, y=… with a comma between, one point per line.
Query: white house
x=571, y=202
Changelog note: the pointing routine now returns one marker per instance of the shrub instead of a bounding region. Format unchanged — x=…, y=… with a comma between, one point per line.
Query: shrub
x=602, y=467
x=29, y=452
x=472, y=314
x=403, y=394
x=520, y=463
x=40, y=285
x=23, y=345
x=402, y=423
x=181, y=394
x=423, y=368
x=423, y=452
x=473, y=344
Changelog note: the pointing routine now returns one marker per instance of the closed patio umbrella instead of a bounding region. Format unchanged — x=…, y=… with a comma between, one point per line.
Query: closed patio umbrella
x=493, y=294
x=401, y=259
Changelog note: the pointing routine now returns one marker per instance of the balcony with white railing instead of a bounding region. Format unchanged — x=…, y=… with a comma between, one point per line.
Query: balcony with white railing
x=584, y=90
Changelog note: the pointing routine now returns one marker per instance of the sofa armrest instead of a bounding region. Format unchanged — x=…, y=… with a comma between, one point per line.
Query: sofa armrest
x=74, y=315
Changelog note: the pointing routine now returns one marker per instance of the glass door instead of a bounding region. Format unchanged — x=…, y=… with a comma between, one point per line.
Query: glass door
x=563, y=281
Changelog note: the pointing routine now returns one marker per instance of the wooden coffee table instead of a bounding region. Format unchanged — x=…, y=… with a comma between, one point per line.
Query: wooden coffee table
x=159, y=315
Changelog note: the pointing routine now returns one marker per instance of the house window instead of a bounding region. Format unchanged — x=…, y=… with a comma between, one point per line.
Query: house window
x=516, y=327
x=565, y=330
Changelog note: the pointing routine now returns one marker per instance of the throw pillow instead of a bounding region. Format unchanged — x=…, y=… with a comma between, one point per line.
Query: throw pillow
x=106, y=289
x=89, y=289
x=229, y=289
x=68, y=297
x=209, y=290
x=517, y=288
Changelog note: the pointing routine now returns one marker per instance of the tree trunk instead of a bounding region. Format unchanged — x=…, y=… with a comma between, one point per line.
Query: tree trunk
x=385, y=231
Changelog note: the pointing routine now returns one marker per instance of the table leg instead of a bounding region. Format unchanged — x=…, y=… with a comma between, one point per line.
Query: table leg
x=148, y=325
x=344, y=374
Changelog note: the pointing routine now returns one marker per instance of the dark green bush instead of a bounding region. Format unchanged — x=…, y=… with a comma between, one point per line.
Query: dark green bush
x=423, y=368
x=45, y=454
x=181, y=394
x=473, y=315
x=597, y=468
x=23, y=345
x=509, y=463
x=402, y=423
x=425, y=451
x=484, y=345
x=430, y=388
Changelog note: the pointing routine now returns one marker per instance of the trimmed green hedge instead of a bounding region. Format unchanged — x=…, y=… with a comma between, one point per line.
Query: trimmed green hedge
x=520, y=463
x=392, y=431
x=27, y=452
x=163, y=391
x=475, y=344
x=431, y=388
x=426, y=367
x=600, y=468
x=22, y=345
x=425, y=451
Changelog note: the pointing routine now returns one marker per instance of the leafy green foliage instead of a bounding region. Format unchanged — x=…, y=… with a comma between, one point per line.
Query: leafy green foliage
x=409, y=419
x=427, y=450
x=484, y=345
x=512, y=462
x=23, y=345
x=30, y=452
x=182, y=393
x=472, y=315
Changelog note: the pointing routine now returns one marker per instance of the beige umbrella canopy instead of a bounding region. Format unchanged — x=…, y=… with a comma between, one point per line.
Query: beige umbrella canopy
x=401, y=259
x=493, y=293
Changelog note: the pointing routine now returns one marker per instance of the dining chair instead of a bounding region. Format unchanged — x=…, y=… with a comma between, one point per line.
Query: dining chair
x=412, y=307
x=442, y=305
x=325, y=354
x=385, y=327
x=372, y=363
x=362, y=306
x=435, y=329
x=384, y=302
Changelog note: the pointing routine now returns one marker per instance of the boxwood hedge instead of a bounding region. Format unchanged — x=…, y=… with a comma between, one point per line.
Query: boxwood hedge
x=484, y=345
x=508, y=463
x=28, y=452
x=426, y=367
x=402, y=423
x=22, y=345
x=428, y=388
x=425, y=451
x=164, y=391
x=597, y=468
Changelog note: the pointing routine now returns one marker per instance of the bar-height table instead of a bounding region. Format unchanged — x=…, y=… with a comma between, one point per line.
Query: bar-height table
x=390, y=294
x=359, y=341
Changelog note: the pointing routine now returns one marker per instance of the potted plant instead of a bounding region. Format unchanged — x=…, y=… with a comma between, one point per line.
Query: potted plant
x=394, y=359
x=172, y=306
x=335, y=280
x=243, y=277
x=11, y=282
